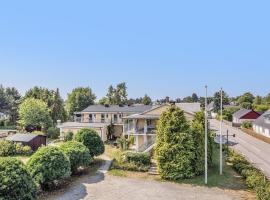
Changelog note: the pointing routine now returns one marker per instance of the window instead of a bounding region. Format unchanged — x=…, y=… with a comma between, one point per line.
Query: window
x=115, y=118
x=102, y=117
x=90, y=117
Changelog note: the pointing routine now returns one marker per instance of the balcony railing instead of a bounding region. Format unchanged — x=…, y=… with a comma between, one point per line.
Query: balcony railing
x=114, y=121
x=131, y=129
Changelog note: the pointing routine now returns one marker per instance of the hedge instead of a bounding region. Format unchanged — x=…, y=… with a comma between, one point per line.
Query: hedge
x=78, y=154
x=48, y=165
x=8, y=148
x=133, y=162
x=255, y=179
x=15, y=181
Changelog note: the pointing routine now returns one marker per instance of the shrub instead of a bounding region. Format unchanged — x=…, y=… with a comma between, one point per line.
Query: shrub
x=53, y=132
x=48, y=165
x=68, y=136
x=15, y=181
x=91, y=140
x=246, y=125
x=133, y=161
x=78, y=154
x=124, y=143
x=254, y=178
x=175, y=148
x=7, y=148
x=23, y=150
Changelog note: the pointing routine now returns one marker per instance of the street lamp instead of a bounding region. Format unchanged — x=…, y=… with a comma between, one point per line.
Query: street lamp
x=220, y=134
x=205, y=138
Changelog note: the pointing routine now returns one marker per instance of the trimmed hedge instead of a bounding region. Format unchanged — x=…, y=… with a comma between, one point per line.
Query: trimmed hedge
x=78, y=154
x=255, y=179
x=7, y=148
x=133, y=162
x=91, y=139
x=15, y=181
x=47, y=165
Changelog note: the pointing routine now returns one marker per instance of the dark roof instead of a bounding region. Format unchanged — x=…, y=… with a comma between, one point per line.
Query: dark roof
x=261, y=121
x=21, y=137
x=240, y=113
x=117, y=108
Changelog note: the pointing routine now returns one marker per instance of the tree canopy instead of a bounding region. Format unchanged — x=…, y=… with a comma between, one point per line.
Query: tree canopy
x=217, y=99
x=79, y=99
x=118, y=95
x=53, y=100
x=34, y=112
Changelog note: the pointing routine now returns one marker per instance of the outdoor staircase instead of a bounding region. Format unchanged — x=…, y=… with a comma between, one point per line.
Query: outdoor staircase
x=153, y=168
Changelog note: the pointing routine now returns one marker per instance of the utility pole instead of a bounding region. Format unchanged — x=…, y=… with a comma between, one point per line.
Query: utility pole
x=205, y=138
x=220, y=134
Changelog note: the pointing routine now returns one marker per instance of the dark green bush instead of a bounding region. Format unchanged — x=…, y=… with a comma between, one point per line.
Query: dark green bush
x=68, y=136
x=91, y=140
x=7, y=148
x=78, y=155
x=47, y=165
x=246, y=125
x=53, y=132
x=254, y=178
x=15, y=181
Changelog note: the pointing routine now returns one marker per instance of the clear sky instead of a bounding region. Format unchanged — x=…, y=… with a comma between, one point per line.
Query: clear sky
x=160, y=48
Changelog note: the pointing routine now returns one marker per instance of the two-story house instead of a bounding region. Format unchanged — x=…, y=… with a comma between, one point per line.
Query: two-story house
x=143, y=125
x=99, y=117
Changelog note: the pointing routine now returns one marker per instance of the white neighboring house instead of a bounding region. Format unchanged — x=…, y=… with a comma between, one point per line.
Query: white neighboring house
x=262, y=124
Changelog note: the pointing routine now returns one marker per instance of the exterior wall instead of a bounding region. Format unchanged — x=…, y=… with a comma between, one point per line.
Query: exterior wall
x=140, y=124
x=101, y=131
x=118, y=130
x=37, y=142
x=108, y=117
x=261, y=130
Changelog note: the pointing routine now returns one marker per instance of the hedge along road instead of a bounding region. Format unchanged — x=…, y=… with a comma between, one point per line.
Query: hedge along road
x=102, y=186
x=254, y=150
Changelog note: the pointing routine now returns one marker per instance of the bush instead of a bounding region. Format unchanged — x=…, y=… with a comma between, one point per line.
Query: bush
x=23, y=150
x=68, y=136
x=124, y=143
x=53, y=132
x=15, y=181
x=7, y=148
x=246, y=125
x=133, y=162
x=254, y=178
x=48, y=165
x=175, y=147
x=78, y=154
x=91, y=140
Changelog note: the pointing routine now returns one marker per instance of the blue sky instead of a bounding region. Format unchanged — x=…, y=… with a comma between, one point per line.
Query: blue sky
x=160, y=48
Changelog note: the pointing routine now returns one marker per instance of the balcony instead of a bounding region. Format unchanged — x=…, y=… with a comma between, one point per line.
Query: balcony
x=133, y=130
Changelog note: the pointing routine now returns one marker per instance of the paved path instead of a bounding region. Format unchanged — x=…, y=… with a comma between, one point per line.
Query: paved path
x=256, y=151
x=106, y=187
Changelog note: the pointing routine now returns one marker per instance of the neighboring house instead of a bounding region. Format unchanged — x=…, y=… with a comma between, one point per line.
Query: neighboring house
x=244, y=115
x=143, y=125
x=262, y=124
x=99, y=117
x=33, y=140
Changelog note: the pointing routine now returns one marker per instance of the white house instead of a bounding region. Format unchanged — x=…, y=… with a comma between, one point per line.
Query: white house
x=262, y=124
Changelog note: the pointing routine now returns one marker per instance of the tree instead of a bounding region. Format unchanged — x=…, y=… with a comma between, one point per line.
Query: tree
x=195, y=97
x=175, y=148
x=187, y=99
x=258, y=100
x=34, y=112
x=15, y=181
x=78, y=154
x=197, y=131
x=103, y=101
x=217, y=99
x=91, y=139
x=79, y=99
x=48, y=165
x=14, y=100
x=118, y=95
x=3, y=100
x=246, y=100
x=53, y=100
x=146, y=100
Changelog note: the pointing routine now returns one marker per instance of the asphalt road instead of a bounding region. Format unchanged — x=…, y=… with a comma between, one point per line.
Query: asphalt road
x=254, y=150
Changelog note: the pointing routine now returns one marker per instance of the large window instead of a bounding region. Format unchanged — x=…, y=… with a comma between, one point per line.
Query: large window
x=102, y=118
x=90, y=118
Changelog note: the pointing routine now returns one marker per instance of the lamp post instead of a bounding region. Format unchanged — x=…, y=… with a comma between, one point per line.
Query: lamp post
x=205, y=138
x=220, y=134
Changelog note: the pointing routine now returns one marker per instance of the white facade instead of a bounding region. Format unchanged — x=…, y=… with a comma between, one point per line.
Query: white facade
x=261, y=130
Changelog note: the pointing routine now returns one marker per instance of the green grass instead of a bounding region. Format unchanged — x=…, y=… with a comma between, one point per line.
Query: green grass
x=229, y=180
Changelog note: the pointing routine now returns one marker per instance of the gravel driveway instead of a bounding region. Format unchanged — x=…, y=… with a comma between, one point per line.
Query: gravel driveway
x=107, y=187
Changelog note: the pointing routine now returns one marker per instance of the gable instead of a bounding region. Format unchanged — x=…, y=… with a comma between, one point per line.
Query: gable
x=251, y=115
x=157, y=111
